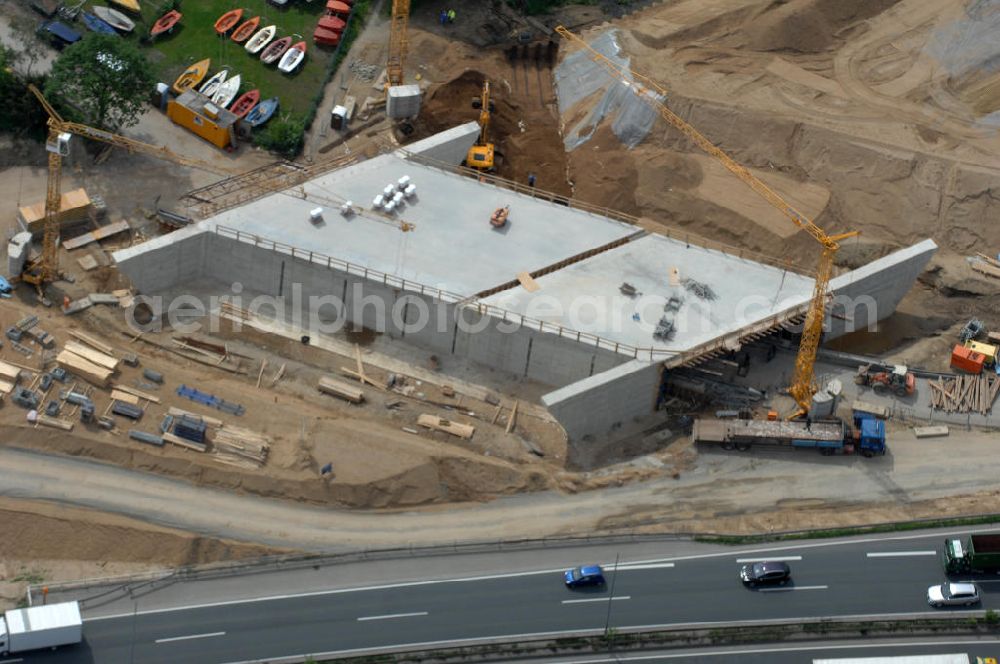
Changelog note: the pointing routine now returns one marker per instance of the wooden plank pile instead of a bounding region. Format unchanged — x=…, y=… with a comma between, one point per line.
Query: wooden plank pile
x=440, y=424
x=94, y=236
x=88, y=363
x=9, y=375
x=965, y=394
x=987, y=265
x=241, y=447
x=340, y=389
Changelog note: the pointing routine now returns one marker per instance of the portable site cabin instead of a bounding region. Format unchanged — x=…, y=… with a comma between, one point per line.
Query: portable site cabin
x=198, y=114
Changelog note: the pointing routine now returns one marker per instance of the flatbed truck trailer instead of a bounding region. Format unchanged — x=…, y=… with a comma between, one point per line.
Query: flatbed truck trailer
x=827, y=436
x=37, y=627
x=979, y=553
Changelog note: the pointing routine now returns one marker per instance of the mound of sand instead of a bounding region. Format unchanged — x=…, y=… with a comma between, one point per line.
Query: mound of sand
x=372, y=469
x=808, y=26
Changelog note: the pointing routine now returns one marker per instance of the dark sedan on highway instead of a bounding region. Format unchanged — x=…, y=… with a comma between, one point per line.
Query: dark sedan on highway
x=765, y=573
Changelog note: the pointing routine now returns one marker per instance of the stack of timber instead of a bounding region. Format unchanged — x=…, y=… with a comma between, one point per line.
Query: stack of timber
x=987, y=265
x=440, y=424
x=965, y=394
x=9, y=375
x=340, y=389
x=92, y=342
x=241, y=447
x=86, y=368
x=97, y=357
x=74, y=210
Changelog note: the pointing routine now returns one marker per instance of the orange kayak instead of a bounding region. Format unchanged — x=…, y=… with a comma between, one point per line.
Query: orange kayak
x=166, y=23
x=246, y=30
x=228, y=20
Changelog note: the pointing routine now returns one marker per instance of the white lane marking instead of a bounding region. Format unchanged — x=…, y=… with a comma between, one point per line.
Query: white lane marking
x=791, y=588
x=596, y=599
x=893, y=554
x=630, y=567
x=407, y=584
x=190, y=636
x=390, y=616
x=776, y=559
x=11, y=661
x=623, y=563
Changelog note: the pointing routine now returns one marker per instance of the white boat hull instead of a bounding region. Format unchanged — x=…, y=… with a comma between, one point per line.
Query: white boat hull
x=261, y=39
x=212, y=85
x=227, y=92
x=291, y=60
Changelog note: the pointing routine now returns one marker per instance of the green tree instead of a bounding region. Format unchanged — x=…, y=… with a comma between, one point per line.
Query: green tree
x=104, y=79
x=283, y=135
x=19, y=112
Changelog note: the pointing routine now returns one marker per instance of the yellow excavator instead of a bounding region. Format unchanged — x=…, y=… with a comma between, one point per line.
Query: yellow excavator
x=481, y=156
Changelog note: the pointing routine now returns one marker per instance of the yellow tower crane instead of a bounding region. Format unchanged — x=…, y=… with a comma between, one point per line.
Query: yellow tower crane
x=803, y=385
x=398, y=43
x=45, y=269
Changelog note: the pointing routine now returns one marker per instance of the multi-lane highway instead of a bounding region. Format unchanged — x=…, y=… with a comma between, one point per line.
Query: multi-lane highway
x=404, y=603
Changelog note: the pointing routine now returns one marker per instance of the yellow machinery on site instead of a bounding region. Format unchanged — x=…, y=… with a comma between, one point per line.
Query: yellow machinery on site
x=803, y=385
x=481, y=155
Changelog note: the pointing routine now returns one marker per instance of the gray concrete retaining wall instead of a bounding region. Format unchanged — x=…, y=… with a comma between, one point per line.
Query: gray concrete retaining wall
x=180, y=260
x=449, y=146
x=299, y=285
x=596, y=405
x=872, y=292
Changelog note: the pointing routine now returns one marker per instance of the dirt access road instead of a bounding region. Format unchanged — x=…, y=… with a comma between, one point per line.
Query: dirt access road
x=726, y=492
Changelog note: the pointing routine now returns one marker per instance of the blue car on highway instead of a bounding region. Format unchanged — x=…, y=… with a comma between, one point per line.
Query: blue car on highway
x=586, y=576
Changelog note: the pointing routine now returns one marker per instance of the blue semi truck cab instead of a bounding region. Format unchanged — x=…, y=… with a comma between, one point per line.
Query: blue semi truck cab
x=869, y=434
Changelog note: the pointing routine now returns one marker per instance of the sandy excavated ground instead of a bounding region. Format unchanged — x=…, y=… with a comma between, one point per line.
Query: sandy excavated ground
x=46, y=543
x=843, y=107
x=874, y=116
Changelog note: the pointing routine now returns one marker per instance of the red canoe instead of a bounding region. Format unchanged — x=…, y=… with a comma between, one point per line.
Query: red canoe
x=332, y=23
x=165, y=23
x=326, y=37
x=228, y=20
x=246, y=30
x=338, y=7
x=245, y=103
x=275, y=50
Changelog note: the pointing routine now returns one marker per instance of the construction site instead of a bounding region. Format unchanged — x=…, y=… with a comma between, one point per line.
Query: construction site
x=612, y=264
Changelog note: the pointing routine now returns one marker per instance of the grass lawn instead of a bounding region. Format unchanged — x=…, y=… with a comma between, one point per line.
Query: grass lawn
x=195, y=39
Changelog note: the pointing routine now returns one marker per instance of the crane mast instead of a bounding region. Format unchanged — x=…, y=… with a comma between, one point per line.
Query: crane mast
x=398, y=42
x=46, y=268
x=803, y=385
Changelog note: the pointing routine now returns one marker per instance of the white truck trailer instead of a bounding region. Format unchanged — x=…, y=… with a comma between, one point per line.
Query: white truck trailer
x=38, y=627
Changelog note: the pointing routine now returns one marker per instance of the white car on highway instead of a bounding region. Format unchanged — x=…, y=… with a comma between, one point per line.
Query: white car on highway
x=953, y=594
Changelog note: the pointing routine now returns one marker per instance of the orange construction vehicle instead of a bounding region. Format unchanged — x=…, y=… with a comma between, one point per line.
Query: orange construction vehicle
x=900, y=380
